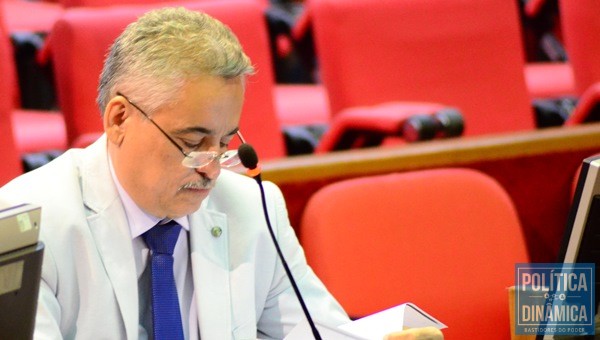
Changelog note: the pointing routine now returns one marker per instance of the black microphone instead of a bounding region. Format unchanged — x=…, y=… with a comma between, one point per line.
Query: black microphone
x=249, y=159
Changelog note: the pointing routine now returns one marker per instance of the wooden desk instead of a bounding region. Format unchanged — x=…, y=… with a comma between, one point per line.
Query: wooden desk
x=536, y=168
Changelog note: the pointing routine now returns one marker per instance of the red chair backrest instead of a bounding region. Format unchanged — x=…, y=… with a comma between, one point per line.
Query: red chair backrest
x=10, y=165
x=9, y=90
x=580, y=24
x=466, y=54
x=104, y=3
x=80, y=40
x=444, y=239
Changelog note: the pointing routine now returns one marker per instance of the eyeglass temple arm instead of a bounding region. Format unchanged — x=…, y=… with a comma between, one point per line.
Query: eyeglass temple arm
x=239, y=134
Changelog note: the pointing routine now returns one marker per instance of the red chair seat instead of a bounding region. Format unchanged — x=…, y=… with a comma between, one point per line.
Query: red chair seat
x=30, y=16
x=301, y=104
x=37, y=131
x=550, y=80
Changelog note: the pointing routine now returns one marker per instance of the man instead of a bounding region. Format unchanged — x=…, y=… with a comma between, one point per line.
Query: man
x=171, y=94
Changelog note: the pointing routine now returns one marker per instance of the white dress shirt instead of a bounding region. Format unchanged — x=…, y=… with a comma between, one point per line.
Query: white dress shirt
x=140, y=222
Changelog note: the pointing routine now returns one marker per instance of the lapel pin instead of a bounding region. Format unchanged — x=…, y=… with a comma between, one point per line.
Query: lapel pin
x=216, y=231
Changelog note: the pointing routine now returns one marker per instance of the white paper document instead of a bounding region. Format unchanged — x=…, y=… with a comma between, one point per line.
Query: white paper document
x=372, y=327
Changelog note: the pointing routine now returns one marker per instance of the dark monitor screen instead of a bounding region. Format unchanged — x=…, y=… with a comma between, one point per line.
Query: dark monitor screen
x=581, y=238
x=20, y=272
x=581, y=241
x=21, y=258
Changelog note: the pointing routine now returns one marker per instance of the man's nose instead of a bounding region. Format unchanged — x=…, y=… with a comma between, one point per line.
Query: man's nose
x=210, y=170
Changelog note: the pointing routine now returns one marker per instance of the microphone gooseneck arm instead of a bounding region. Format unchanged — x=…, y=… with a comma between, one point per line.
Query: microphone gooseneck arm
x=249, y=159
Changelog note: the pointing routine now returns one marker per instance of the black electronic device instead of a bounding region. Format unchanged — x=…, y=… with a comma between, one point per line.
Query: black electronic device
x=21, y=256
x=581, y=238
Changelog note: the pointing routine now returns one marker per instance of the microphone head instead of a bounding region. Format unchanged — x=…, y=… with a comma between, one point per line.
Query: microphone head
x=248, y=156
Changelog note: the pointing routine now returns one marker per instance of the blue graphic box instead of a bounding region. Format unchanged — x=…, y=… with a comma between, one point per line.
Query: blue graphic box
x=554, y=298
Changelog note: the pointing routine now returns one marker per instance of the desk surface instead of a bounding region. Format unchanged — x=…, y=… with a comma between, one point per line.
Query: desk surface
x=450, y=152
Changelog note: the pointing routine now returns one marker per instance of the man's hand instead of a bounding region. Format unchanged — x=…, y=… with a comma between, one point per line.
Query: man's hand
x=425, y=333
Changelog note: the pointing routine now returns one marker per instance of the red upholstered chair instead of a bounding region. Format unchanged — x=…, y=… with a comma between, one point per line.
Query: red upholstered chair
x=464, y=54
x=545, y=79
x=444, y=239
x=33, y=131
x=10, y=165
x=104, y=3
x=298, y=104
x=81, y=38
x=30, y=16
x=581, y=33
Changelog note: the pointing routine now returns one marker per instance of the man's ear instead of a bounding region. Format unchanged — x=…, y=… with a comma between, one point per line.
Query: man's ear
x=115, y=117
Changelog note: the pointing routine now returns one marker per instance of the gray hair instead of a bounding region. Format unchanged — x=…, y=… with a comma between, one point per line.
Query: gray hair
x=163, y=49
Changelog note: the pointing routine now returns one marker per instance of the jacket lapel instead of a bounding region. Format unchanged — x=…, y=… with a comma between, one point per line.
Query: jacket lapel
x=210, y=269
x=110, y=230
x=208, y=248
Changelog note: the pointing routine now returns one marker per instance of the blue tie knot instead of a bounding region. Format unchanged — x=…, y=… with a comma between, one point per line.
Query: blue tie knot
x=161, y=239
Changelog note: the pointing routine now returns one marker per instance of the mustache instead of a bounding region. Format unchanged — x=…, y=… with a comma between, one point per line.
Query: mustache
x=202, y=184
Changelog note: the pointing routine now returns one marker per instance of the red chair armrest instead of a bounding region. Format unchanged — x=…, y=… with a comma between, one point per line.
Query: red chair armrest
x=381, y=121
x=585, y=107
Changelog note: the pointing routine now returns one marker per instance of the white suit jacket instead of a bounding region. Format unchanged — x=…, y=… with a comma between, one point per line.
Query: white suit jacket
x=89, y=286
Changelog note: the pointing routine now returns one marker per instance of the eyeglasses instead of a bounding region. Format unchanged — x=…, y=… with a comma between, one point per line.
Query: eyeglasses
x=196, y=159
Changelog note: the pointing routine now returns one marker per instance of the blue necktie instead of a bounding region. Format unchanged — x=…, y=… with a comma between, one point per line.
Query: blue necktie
x=161, y=240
